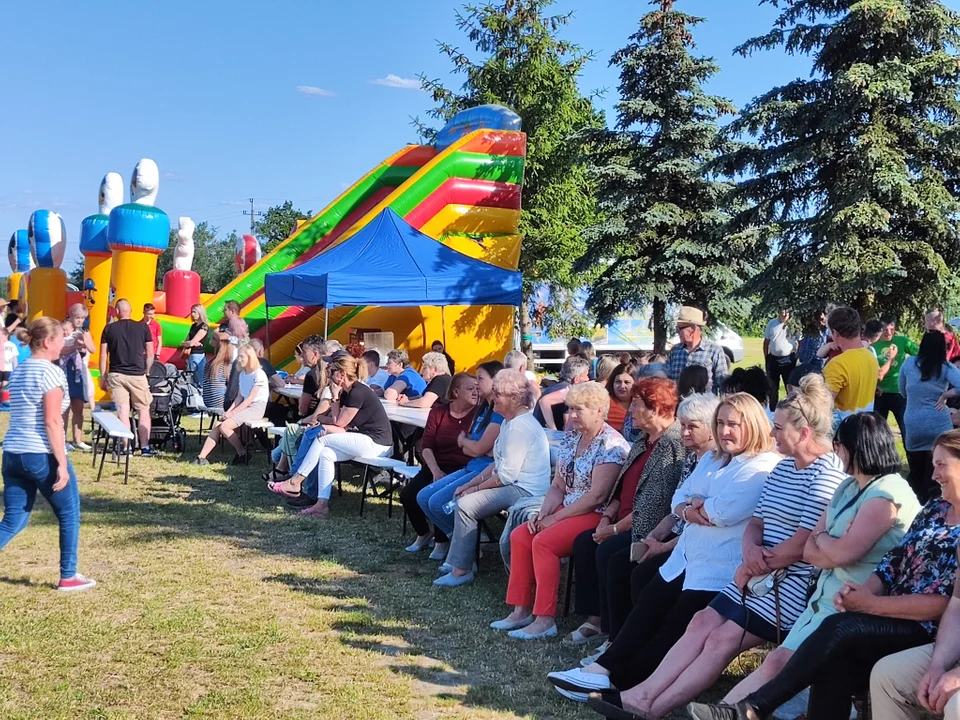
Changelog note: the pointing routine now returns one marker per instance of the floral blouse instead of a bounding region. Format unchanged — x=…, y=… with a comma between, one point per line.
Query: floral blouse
x=577, y=471
x=925, y=561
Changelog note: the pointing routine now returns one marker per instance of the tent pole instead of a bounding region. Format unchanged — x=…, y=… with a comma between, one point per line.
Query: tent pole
x=267, y=330
x=443, y=327
x=326, y=322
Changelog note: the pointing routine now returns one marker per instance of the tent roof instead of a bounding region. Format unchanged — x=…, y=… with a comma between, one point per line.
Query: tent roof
x=390, y=263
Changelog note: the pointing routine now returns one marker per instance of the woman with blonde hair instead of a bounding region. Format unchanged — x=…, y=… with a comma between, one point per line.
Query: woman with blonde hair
x=193, y=346
x=716, y=503
x=604, y=368
x=249, y=405
x=588, y=464
x=74, y=358
x=357, y=426
x=795, y=496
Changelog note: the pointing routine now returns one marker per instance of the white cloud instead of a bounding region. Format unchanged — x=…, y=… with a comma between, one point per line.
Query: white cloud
x=314, y=90
x=171, y=176
x=395, y=81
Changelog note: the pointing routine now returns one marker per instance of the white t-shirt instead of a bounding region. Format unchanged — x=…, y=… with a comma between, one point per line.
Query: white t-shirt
x=255, y=382
x=780, y=344
x=10, y=356
x=28, y=384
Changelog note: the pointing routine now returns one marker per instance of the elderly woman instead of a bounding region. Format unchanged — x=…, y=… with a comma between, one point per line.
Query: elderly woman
x=521, y=468
x=794, y=498
x=436, y=373
x=403, y=379
x=440, y=450
x=863, y=525
x=249, y=405
x=588, y=464
x=716, y=503
x=619, y=384
x=637, y=502
x=77, y=346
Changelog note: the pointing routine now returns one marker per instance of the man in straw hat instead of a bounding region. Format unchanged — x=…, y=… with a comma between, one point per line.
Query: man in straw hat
x=695, y=349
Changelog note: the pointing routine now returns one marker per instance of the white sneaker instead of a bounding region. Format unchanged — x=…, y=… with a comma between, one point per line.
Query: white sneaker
x=579, y=681
x=82, y=446
x=570, y=695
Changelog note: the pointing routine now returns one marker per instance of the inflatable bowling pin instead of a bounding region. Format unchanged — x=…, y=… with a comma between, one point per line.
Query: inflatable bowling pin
x=137, y=233
x=47, y=283
x=97, y=257
x=248, y=253
x=21, y=262
x=182, y=285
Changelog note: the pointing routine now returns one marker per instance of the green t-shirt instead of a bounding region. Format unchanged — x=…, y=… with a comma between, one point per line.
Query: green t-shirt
x=905, y=347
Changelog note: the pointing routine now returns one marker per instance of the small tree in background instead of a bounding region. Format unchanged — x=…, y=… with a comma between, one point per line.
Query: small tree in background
x=278, y=224
x=526, y=66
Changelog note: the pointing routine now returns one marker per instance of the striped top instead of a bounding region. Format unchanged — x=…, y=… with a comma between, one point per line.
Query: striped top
x=792, y=500
x=32, y=379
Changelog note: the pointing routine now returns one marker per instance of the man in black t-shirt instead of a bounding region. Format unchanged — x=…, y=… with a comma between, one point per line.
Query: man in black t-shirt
x=128, y=348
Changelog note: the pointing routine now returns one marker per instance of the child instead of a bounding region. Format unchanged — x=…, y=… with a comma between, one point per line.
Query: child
x=10, y=362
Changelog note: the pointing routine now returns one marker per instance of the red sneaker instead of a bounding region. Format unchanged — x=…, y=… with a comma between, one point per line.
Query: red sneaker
x=75, y=584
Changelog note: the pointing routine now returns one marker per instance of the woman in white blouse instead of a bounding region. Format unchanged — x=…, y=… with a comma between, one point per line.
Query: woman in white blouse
x=521, y=468
x=716, y=503
x=249, y=405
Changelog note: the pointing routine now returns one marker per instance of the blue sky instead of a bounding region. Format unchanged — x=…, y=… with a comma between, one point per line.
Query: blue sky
x=275, y=101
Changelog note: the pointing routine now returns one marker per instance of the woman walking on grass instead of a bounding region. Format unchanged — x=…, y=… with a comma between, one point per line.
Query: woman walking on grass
x=34, y=450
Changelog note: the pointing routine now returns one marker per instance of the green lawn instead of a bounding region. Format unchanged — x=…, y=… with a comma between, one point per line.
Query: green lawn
x=216, y=601
x=752, y=353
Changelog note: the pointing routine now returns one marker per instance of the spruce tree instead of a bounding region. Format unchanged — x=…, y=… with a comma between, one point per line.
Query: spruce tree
x=526, y=65
x=851, y=185
x=662, y=239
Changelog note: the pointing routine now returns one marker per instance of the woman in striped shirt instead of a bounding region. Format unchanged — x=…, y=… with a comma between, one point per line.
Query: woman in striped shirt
x=794, y=497
x=34, y=450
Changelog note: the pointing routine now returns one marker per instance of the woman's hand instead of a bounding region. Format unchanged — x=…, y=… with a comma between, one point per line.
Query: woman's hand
x=438, y=474
x=695, y=516
x=941, y=401
x=754, y=560
x=63, y=477
x=742, y=576
x=655, y=547
x=464, y=490
x=544, y=522
x=854, y=598
x=604, y=530
x=402, y=399
x=460, y=438
x=532, y=523
x=937, y=687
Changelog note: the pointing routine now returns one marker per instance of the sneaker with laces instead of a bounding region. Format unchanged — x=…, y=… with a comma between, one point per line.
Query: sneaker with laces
x=147, y=451
x=75, y=584
x=82, y=446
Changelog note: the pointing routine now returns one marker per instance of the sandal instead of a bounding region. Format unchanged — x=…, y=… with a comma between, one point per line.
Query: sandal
x=610, y=706
x=279, y=489
x=274, y=475
x=579, y=637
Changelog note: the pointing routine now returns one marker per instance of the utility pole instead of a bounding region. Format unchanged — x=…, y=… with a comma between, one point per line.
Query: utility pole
x=253, y=215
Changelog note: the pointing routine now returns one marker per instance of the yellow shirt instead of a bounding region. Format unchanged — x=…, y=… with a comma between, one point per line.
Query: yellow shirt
x=852, y=378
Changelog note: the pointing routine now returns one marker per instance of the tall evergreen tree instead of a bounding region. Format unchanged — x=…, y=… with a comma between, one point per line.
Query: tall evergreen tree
x=662, y=239
x=852, y=183
x=527, y=66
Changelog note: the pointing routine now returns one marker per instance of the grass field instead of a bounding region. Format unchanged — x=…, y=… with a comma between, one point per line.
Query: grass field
x=216, y=601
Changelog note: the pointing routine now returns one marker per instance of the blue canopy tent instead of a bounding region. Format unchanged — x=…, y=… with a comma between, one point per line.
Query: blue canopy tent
x=389, y=263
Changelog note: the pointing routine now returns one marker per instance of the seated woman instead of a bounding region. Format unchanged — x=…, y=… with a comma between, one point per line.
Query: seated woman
x=639, y=499
x=217, y=375
x=865, y=521
x=477, y=444
x=588, y=463
x=440, y=450
x=249, y=405
x=403, y=379
x=357, y=426
x=619, y=386
x=794, y=498
x=603, y=368
x=693, y=380
x=716, y=503
x=436, y=373
x=751, y=380
x=521, y=468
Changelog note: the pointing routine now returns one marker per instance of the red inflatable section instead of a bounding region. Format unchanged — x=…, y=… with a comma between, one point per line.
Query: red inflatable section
x=182, y=288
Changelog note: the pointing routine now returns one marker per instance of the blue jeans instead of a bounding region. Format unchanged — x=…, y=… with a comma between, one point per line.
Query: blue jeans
x=310, y=486
x=23, y=475
x=437, y=494
x=197, y=363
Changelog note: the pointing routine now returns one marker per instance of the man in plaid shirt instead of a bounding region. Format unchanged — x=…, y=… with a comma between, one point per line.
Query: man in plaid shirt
x=694, y=349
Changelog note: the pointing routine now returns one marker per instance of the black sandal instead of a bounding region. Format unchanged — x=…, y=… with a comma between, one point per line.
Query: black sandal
x=274, y=476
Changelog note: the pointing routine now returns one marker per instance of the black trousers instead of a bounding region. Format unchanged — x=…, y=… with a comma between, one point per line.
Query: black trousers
x=835, y=663
x=777, y=371
x=591, y=563
x=920, y=478
x=408, y=498
x=895, y=403
x=659, y=618
x=624, y=583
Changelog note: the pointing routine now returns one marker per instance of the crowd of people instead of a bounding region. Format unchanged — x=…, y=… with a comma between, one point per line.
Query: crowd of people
x=703, y=515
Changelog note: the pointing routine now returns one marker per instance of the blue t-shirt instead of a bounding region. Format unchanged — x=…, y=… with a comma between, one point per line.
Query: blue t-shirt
x=23, y=351
x=486, y=416
x=415, y=384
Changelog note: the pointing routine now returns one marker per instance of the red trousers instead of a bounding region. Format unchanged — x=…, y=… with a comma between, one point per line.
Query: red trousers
x=535, y=562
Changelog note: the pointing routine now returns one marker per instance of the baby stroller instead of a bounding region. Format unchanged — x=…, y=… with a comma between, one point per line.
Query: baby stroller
x=166, y=410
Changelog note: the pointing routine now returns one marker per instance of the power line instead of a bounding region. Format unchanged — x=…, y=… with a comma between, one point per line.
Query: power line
x=254, y=214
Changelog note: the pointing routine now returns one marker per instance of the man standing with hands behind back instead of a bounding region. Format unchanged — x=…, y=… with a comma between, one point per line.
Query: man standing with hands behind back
x=779, y=354
x=128, y=346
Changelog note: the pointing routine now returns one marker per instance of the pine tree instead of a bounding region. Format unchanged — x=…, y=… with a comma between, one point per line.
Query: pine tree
x=662, y=240
x=528, y=67
x=852, y=183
